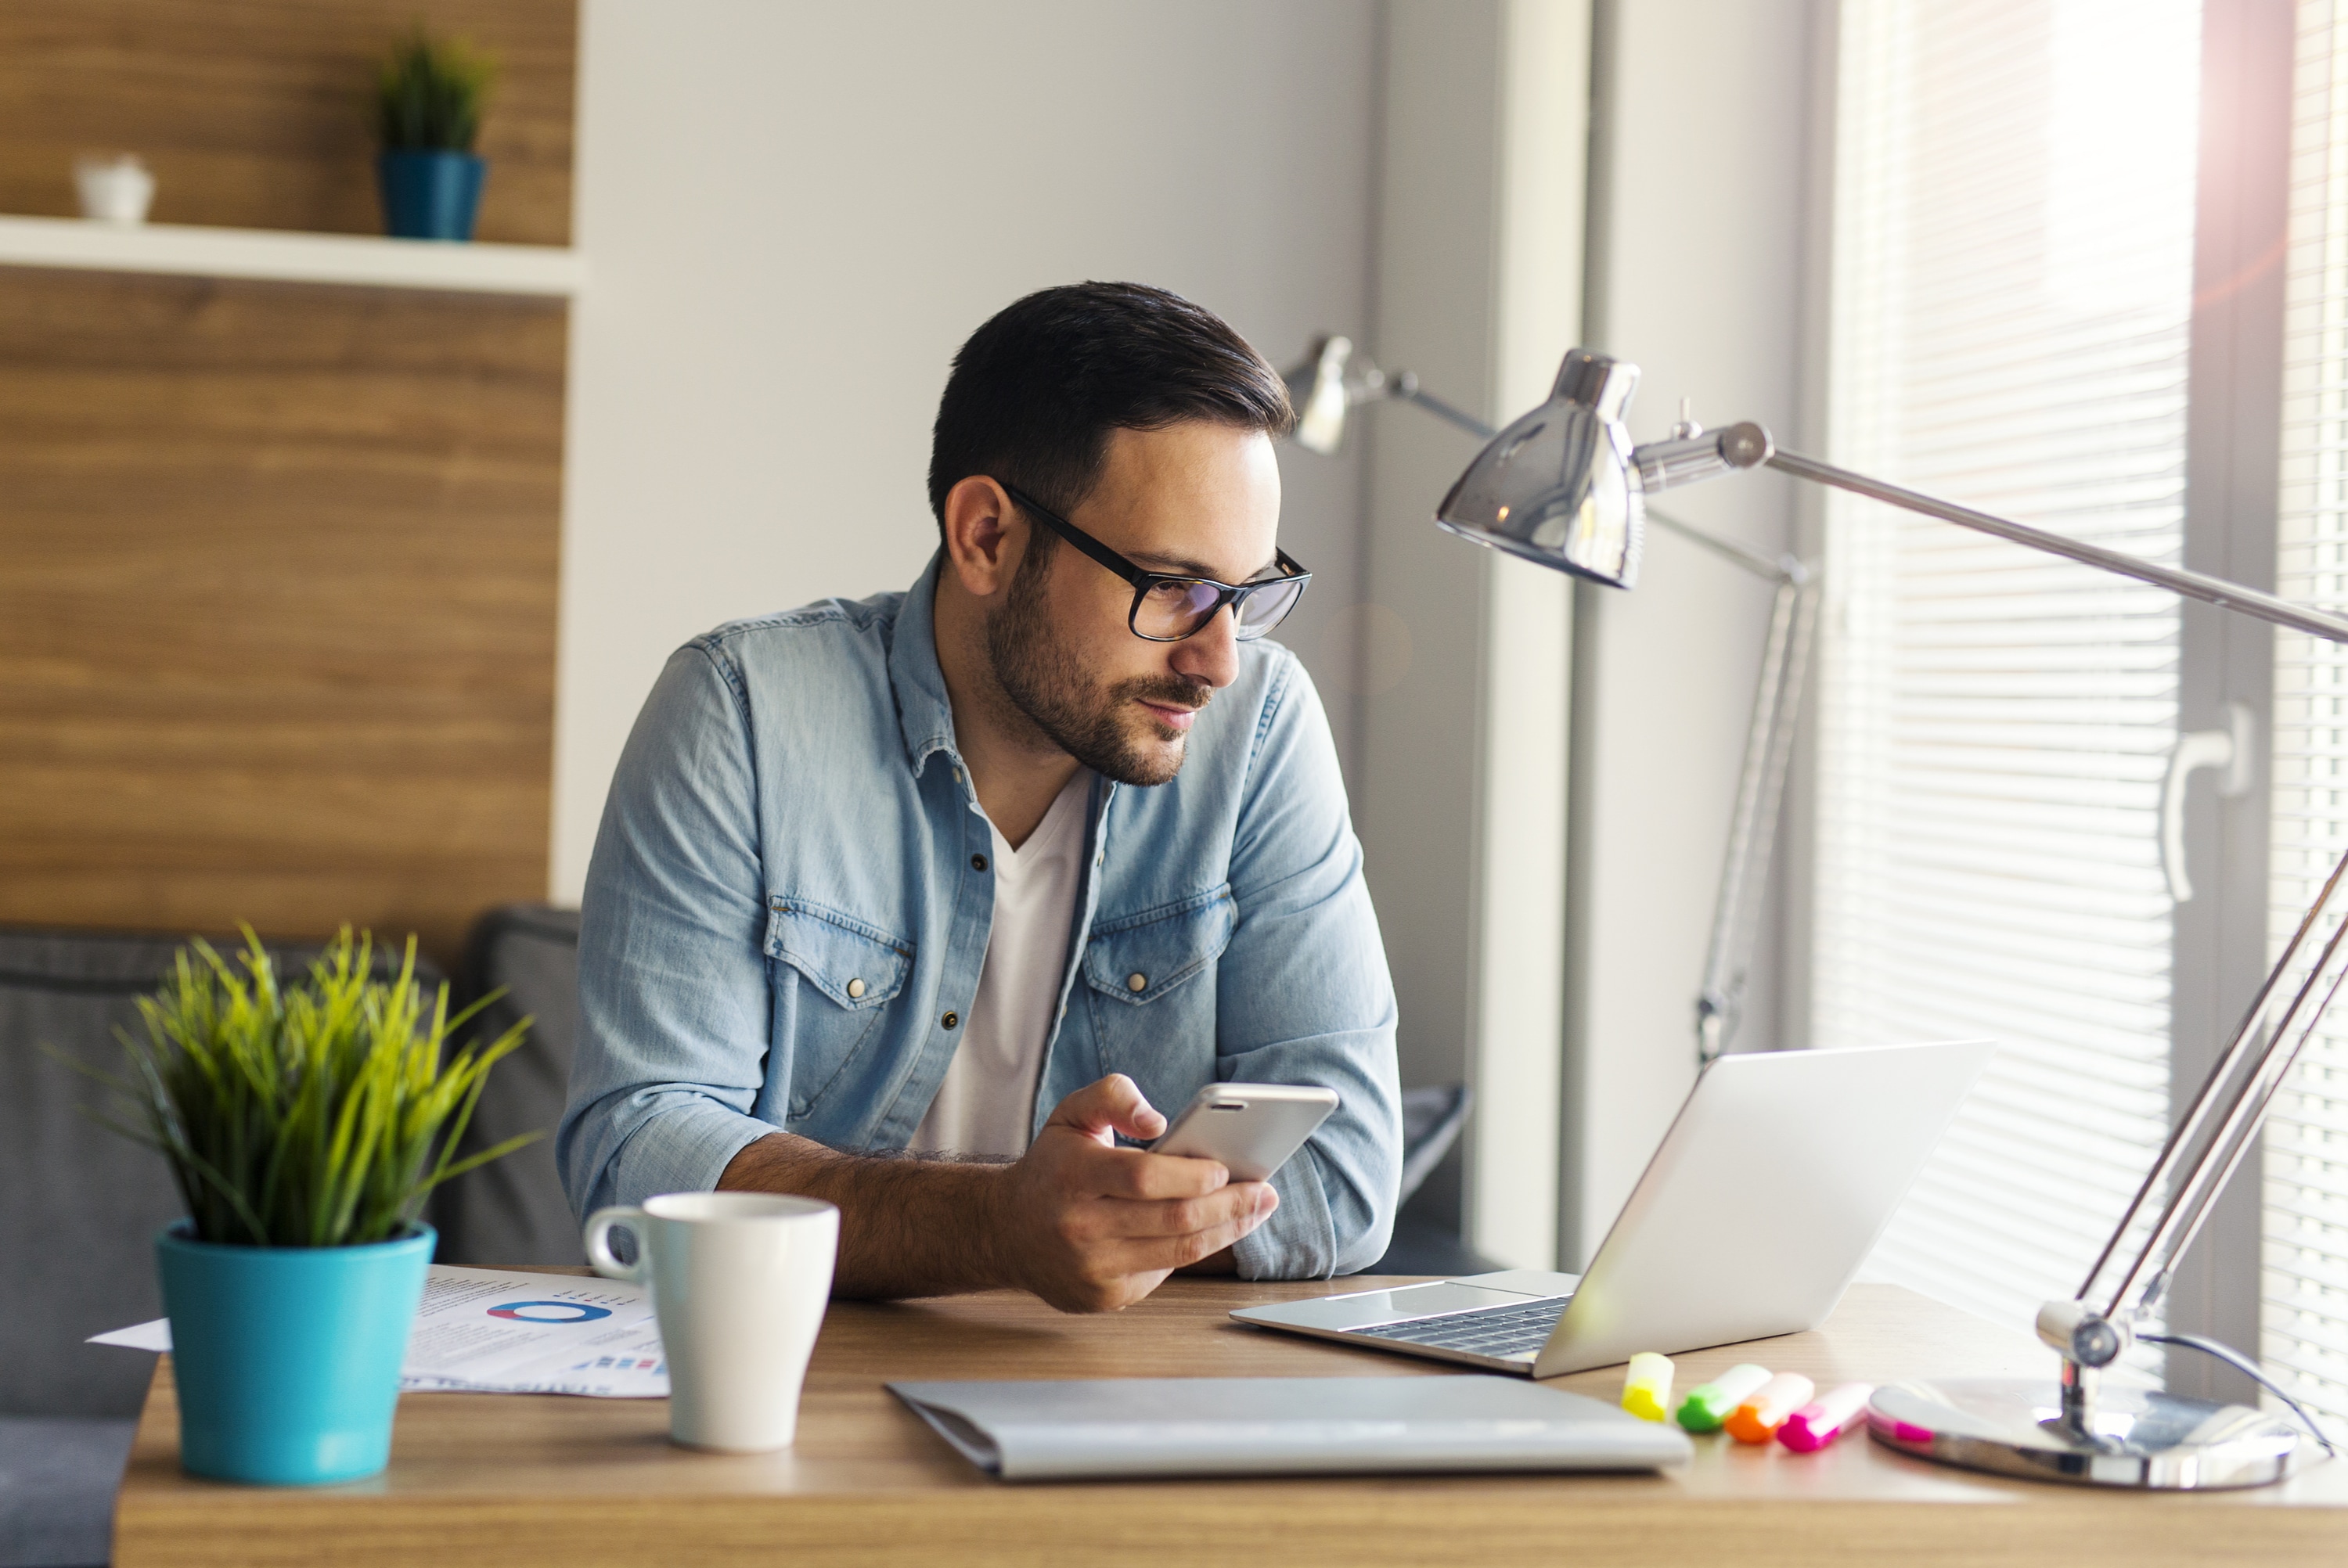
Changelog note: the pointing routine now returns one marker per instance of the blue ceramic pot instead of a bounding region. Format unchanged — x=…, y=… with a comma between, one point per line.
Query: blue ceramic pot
x=287, y=1358
x=429, y=195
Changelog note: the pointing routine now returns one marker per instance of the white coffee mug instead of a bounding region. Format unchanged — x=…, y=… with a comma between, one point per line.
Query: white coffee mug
x=739, y=1281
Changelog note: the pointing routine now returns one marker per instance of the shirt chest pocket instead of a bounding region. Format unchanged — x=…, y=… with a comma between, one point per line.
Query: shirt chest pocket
x=1150, y=991
x=835, y=976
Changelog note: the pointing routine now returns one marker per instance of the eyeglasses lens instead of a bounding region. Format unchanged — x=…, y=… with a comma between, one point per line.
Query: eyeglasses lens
x=1262, y=610
x=1176, y=608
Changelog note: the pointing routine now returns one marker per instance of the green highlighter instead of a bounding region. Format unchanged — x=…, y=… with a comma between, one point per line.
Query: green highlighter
x=1708, y=1405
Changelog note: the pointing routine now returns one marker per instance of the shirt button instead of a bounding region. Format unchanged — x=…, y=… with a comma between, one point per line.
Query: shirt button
x=957, y=775
x=951, y=1019
x=1137, y=982
x=978, y=862
x=856, y=988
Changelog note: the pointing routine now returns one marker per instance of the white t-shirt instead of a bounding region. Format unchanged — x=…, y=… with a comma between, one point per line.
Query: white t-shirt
x=987, y=1103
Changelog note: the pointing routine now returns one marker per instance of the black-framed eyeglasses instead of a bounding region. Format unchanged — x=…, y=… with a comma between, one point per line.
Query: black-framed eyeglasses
x=1168, y=607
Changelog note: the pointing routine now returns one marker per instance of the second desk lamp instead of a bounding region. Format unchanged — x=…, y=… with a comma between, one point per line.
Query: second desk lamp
x=1334, y=379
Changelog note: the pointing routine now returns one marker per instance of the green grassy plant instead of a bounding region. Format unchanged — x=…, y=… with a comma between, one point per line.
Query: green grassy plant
x=430, y=94
x=316, y=1113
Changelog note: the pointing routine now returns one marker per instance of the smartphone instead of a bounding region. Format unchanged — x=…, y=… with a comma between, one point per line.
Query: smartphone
x=1251, y=1128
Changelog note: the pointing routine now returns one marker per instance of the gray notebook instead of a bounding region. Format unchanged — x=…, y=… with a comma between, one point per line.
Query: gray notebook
x=1282, y=1425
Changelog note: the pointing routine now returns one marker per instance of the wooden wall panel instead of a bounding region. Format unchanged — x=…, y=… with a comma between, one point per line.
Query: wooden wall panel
x=251, y=113
x=277, y=600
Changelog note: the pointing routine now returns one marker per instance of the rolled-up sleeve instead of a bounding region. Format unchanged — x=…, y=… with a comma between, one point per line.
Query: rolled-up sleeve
x=1306, y=998
x=673, y=994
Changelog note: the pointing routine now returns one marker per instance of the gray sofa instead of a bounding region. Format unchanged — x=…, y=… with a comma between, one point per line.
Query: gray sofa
x=512, y=1210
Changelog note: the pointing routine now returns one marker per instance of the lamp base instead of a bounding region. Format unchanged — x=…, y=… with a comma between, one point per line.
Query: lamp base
x=2144, y=1439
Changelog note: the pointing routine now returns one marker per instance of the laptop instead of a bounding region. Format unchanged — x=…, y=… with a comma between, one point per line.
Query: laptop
x=1771, y=1187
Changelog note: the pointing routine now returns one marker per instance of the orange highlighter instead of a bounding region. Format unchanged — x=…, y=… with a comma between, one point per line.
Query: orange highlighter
x=1765, y=1410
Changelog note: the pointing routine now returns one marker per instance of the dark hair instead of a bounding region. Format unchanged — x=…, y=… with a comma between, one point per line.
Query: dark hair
x=1035, y=392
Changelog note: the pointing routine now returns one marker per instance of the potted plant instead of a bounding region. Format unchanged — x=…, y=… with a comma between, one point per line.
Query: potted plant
x=428, y=101
x=304, y=1123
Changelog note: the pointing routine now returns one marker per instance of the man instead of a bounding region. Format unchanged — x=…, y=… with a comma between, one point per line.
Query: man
x=919, y=904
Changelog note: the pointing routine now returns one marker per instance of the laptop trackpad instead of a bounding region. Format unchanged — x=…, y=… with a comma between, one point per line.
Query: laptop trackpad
x=1371, y=1307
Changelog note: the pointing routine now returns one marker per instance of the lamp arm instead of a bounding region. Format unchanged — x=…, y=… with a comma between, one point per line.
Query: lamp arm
x=1405, y=386
x=2214, y=590
x=2200, y=1156
x=1753, y=825
x=1785, y=569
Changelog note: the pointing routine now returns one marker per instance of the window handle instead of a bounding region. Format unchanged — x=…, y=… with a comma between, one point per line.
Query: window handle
x=2231, y=751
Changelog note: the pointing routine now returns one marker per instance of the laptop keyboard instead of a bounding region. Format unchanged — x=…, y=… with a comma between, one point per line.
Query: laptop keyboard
x=1498, y=1331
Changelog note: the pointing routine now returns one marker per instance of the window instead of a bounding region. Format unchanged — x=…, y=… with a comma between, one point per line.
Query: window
x=2303, y=1307
x=2012, y=261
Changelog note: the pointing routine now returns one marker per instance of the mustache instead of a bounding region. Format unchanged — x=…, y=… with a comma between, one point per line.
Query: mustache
x=1190, y=694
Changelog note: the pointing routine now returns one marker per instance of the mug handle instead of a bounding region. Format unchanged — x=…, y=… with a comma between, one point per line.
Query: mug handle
x=599, y=1243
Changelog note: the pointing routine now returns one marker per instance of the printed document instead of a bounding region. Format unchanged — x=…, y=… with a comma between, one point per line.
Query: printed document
x=494, y=1331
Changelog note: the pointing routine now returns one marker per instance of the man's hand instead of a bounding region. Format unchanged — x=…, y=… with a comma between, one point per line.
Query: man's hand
x=1091, y=1228
x=1087, y=1226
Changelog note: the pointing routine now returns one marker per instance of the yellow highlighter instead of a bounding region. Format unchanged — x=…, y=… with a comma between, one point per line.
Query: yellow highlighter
x=1709, y=1405
x=1647, y=1387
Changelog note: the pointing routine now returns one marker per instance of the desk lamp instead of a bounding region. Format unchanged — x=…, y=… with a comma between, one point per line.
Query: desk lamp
x=1563, y=486
x=1334, y=379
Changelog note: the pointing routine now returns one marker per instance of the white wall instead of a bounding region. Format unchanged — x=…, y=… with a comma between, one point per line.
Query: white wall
x=1697, y=276
x=1462, y=804
x=795, y=212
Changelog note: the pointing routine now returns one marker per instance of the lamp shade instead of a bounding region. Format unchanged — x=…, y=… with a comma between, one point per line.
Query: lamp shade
x=1559, y=486
x=1318, y=390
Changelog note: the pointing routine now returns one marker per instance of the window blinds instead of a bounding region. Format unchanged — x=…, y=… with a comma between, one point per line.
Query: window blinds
x=2303, y=1288
x=2012, y=280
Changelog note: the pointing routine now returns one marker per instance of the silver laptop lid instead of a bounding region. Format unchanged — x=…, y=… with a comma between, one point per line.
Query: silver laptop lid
x=1772, y=1184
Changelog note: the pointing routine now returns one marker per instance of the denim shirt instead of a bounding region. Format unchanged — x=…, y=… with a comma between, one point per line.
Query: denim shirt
x=784, y=909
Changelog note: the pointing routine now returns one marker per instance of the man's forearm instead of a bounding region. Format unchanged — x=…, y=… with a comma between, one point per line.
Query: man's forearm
x=907, y=1227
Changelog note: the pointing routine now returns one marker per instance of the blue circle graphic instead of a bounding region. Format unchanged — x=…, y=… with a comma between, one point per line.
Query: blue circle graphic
x=574, y=1311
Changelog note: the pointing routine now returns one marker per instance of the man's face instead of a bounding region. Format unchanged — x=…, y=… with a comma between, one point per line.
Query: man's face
x=1199, y=499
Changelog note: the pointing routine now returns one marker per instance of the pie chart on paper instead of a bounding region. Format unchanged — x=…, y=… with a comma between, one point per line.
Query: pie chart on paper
x=549, y=1312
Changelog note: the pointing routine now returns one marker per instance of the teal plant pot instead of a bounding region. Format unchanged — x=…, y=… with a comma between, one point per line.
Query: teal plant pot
x=429, y=195
x=287, y=1358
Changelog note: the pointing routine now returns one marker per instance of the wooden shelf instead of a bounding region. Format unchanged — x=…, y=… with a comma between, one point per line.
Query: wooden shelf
x=288, y=257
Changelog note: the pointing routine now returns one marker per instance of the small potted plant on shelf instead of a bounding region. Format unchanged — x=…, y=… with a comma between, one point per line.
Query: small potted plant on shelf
x=429, y=97
x=304, y=1123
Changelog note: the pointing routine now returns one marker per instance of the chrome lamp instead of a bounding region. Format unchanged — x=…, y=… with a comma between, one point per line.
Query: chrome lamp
x=1334, y=378
x=1564, y=485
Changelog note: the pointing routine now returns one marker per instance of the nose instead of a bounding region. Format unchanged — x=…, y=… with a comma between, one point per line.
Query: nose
x=1211, y=653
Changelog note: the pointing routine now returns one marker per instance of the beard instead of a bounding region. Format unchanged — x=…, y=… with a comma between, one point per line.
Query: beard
x=1100, y=726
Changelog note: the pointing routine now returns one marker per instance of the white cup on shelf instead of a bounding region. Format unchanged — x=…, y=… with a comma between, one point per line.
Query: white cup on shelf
x=115, y=189
x=739, y=1282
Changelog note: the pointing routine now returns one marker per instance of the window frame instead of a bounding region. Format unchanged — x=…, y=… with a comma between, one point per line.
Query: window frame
x=2233, y=460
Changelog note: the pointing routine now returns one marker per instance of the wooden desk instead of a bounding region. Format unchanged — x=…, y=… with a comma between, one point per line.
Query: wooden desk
x=512, y=1479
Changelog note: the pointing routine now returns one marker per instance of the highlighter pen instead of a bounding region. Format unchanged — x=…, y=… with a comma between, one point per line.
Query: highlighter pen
x=1756, y=1419
x=1647, y=1387
x=1709, y=1404
x=1822, y=1420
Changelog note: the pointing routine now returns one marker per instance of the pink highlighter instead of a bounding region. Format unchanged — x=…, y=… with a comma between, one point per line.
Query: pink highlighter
x=1825, y=1419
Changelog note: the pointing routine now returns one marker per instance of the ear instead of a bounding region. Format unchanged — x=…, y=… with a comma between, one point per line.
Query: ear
x=985, y=536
